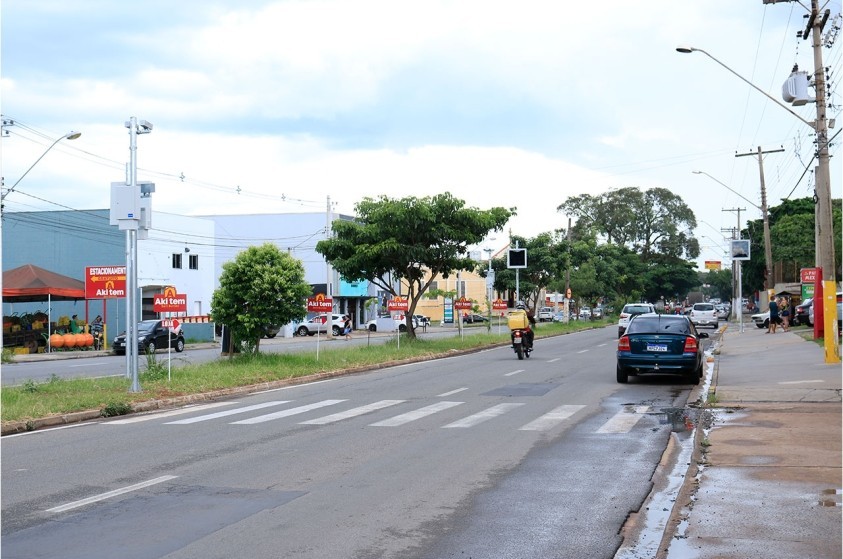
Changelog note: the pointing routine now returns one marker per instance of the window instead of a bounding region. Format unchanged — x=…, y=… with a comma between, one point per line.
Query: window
x=193, y=261
x=177, y=261
x=434, y=285
x=460, y=289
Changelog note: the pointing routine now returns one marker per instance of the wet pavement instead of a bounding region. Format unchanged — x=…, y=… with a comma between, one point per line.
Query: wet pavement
x=765, y=476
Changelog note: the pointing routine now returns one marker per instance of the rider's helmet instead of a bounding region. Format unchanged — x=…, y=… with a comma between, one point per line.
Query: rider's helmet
x=521, y=305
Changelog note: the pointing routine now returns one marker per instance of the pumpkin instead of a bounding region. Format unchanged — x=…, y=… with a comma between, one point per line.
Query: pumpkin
x=57, y=340
x=69, y=340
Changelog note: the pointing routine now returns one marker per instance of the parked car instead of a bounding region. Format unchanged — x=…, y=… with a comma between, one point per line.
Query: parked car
x=545, y=314
x=390, y=323
x=318, y=324
x=151, y=337
x=473, y=318
x=628, y=311
x=585, y=313
x=802, y=313
x=597, y=313
x=559, y=316
x=762, y=319
x=421, y=320
x=839, y=311
x=704, y=314
x=661, y=344
x=270, y=331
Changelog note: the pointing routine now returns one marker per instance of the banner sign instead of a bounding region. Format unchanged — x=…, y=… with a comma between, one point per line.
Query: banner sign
x=499, y=305
x=105, y=282
x=398, y=304
x=712, y=264
x=463, y=304
x=808, y=275
x=169, y=301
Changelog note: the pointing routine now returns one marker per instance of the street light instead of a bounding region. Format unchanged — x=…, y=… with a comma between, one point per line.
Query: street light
x=69, y=136
x=768, y=249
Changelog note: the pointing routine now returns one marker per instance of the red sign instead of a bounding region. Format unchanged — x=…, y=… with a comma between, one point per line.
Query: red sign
x=320, y=304
x=808, y=275
x=398, y=304
x=105, y=282
x=171, y=323
x=499, y=305
x=169, y=301
x=463, y=304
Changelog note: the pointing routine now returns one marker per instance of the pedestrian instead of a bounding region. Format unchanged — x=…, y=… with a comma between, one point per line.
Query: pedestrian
x=774, y=319
x=346, y=326
x=784, y=313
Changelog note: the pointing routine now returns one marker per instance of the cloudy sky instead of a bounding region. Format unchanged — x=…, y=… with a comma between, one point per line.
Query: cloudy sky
x=264, y=106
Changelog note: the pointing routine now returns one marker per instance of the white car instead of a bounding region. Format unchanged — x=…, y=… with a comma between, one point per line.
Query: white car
x=391, y=324
x=317, y=324
x=545, y=314
x=704, y=314
x=629, y=310
x=762, y=319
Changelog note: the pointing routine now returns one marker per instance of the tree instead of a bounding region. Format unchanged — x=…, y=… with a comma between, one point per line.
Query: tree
x=261, y=286
x=409, y=241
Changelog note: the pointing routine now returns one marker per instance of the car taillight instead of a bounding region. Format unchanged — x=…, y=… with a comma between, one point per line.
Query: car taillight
x=624, y=315
x=623, y=343
x=690, y=345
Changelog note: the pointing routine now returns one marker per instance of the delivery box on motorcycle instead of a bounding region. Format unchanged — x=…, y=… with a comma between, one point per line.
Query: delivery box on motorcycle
x=517, y=320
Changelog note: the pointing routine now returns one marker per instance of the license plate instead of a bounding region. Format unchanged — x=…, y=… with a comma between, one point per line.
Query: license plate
x=657, y=347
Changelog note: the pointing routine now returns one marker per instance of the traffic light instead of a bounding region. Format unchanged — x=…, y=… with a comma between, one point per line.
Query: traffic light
x=516, y=258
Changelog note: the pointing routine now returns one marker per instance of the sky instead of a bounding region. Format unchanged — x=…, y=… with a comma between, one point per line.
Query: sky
x=262, y=106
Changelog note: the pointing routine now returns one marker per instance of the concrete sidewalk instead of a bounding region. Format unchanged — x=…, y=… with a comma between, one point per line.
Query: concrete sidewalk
x=769, y=480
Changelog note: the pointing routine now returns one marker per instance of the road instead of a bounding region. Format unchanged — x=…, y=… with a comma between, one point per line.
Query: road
x=479, y=455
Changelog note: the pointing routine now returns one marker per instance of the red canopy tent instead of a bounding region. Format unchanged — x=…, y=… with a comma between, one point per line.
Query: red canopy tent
x=30, y=283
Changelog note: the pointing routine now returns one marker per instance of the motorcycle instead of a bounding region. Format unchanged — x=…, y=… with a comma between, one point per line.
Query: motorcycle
x=521, y=343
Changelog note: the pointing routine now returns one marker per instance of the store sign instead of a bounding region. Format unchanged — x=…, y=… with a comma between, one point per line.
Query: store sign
x=712, y=264
x=105, y=282
x=808, y=275
x=499, y=305
x=169, y=301
x=398, y=304
x=463, y=304
x=320, y=304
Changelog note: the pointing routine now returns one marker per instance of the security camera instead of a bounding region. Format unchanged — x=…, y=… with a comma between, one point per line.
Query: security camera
x=186, y=249
x=146, y=125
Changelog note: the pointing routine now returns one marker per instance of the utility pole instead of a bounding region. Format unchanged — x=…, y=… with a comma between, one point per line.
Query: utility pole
x=737, y=287
x=329, y=281
x=769, y=281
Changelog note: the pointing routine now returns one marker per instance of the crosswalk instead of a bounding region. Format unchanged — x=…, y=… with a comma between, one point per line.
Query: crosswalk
x=621, y=422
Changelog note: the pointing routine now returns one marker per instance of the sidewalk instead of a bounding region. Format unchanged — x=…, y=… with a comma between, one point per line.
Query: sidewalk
x=769, y=484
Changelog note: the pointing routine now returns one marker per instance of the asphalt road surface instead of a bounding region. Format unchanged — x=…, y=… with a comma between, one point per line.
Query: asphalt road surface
x=479, y=455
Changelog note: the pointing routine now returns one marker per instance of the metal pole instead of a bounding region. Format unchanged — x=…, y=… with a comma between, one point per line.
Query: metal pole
x=132, y=268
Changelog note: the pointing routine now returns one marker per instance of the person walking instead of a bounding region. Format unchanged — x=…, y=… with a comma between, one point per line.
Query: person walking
x=784, y=313
x=346, y=326
x=775, y=319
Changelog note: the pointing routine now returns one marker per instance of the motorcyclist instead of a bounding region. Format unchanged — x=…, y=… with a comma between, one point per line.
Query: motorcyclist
x=528, y=332
x=96, y=331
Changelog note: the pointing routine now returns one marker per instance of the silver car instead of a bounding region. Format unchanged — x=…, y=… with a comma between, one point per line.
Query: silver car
x=704, y=314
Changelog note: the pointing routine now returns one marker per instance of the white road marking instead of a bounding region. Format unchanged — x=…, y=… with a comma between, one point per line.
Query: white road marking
x=159, y=415
x=50, y=429
x=226, y=413
x=416, y=414
x=109, y=494
x=287, y=413
x=452, y=392
x=89, y=364
x=624, y=420
x=354, y=412
x=555, y=360
x=801, y=381
x=582, y=351
x=514, y=373
x=482, y=416
x=552, y=418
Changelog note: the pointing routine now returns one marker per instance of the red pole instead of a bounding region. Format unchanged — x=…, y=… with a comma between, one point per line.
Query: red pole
x=819, y=328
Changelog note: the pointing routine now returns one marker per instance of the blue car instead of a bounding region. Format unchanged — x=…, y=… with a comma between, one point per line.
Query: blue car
x=661, y=344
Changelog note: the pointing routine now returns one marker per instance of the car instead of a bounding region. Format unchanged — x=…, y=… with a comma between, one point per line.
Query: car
x=317, y=324
x=151, y=337
x=559, y=316
x=722, y=311
x=270, y=331
x=704, y=314
x=597, y=313
x=628, y=311
x=545, y=314
x=391, y=323
x=585, y=313
x=762, y=319
x=421, y=320
x=661, y=344
x=802, y=313
x=473, y=318
x=839, y=311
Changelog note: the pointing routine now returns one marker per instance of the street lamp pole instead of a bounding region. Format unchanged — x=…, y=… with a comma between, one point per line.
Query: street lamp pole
x=69, y=136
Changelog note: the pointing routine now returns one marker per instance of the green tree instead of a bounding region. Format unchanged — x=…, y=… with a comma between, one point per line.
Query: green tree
x=409, y=240
x=261, y=286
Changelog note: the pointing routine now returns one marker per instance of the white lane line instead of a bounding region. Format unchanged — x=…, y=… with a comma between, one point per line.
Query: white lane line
x=50, y=429
x=226, y=413
x=159, y=415
x=354, y=412
x=89, y=364
x=109, y=494
x=514, y=373
x=624, y=420
x=287, y=413
x=801, y=381
x=555, y=360
x=482, y=416
x=415, y=414
x=452, y=392
x=582, y=351
x=552, y=418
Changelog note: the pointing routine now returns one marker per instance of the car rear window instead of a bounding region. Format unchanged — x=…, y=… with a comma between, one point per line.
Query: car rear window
x=637, y=309
x=658, y=324
x=703, y=307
